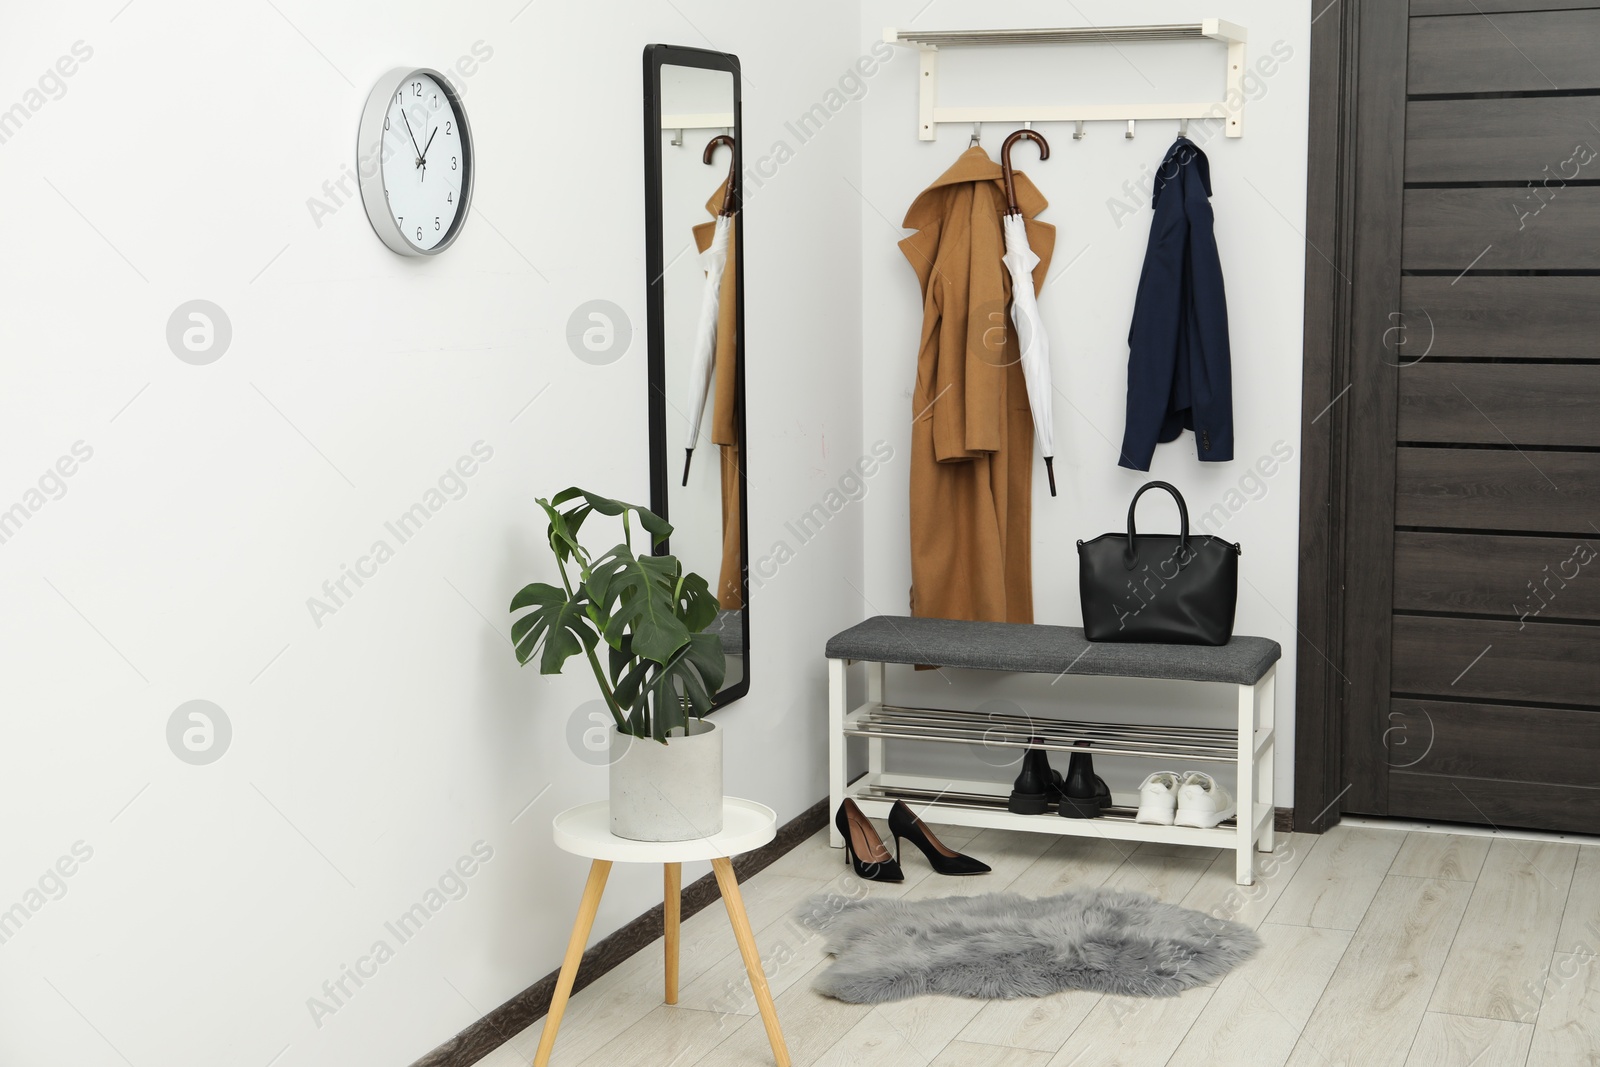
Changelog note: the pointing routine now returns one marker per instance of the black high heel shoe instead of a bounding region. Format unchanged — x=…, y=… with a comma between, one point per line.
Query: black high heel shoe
x=903, y=822
x=864, y=850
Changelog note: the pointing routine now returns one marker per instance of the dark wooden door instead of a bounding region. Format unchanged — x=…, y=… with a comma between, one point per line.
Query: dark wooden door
x=1471, y=637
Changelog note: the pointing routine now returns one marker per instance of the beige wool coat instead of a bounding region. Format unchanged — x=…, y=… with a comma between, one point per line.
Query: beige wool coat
x=725, y=414
x=972, y=428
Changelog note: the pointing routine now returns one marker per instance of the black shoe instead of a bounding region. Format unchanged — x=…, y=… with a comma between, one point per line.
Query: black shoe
x=1085, y=793
x=903, y=822
x=1035, y=787
x=864, y=850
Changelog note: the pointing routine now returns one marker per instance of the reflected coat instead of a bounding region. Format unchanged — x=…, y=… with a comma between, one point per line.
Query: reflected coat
x=725, y=405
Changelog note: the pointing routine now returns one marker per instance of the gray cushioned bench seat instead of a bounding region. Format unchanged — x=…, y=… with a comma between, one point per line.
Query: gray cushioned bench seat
x=1035, y=649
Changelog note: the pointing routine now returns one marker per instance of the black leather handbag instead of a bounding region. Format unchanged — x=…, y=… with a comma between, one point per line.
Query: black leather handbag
x=1157, y=587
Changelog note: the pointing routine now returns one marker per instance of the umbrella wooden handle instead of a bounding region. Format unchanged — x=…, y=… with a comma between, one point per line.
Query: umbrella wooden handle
x=1005, y=161
x=706, y=156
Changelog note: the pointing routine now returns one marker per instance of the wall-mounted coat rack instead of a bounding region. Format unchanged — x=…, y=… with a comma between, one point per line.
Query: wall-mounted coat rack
x=706, y=120
x=928, y=43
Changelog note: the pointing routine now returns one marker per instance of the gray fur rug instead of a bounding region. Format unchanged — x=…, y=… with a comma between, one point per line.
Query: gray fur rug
x=1001, y=946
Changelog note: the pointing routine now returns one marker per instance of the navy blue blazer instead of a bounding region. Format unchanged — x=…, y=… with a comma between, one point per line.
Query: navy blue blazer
x=1180, y=374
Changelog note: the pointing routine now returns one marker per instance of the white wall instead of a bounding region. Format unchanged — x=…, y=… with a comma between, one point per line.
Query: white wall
x=371, y=752
x=1259, y=187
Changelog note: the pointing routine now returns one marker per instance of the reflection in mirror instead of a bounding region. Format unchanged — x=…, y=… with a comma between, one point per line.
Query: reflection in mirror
x=693, y=216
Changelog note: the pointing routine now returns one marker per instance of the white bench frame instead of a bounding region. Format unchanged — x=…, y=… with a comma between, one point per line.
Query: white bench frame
x=1254, y=824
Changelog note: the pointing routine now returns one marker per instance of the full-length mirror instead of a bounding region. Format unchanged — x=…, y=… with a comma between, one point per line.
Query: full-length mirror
x=694, y=231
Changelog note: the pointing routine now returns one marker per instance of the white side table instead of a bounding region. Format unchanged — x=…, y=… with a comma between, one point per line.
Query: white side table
x=586, y=831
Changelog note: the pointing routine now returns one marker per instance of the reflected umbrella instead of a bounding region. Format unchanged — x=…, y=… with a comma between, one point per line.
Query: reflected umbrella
x=714, y=261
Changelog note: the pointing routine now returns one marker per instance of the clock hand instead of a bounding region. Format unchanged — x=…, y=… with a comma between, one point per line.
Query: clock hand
x=410, y=134
x=429, y=145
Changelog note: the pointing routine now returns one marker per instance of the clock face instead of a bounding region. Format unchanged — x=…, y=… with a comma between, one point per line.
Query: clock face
x=426, y=161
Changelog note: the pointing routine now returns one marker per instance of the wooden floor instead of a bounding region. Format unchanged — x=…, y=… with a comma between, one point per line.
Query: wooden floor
x=1381, y=947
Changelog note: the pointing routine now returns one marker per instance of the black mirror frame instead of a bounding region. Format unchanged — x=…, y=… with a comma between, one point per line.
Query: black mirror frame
x=661, y=460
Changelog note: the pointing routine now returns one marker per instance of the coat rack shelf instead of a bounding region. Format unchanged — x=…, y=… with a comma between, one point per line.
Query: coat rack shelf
x=928, y=43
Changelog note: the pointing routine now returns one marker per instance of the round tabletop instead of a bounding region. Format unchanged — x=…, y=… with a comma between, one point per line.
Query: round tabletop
x=586, y=831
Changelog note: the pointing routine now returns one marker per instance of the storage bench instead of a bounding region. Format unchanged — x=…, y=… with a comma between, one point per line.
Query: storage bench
x=1249, y=664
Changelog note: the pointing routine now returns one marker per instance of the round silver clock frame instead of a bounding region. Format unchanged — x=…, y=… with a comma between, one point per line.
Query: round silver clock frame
x=369, y=162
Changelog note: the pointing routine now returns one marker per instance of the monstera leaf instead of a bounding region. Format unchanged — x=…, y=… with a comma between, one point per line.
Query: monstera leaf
x=661, y=696
x=696, y=606
x=557, y=621
x=637, y=595
x=569, y=523
x=661, y=667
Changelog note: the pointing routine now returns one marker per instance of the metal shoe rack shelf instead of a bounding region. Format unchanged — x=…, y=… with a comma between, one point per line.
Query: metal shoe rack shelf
x=1249, y=746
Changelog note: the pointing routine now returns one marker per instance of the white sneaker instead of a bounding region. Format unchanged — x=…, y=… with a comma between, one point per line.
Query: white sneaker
x=1158, y=798
x=1202, y=802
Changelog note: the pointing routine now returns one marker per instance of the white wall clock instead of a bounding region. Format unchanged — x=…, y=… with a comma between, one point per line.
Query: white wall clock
x=414, y=159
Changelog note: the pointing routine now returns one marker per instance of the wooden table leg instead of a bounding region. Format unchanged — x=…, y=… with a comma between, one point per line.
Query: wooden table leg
x=729, y=884
x=587, y=907
x=671, y=903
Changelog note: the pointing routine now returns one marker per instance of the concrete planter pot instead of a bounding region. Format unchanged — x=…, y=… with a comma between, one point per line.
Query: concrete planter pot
x=670, y=792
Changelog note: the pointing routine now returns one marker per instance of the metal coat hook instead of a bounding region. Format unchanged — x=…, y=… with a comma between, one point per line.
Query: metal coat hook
x=1183, y=127
x=1078, y=134
x=1129, y=134
x=977, y=135
x=677, y=139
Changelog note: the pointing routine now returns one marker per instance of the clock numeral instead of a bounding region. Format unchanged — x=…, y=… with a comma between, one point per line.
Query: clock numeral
x=386, y=124
x=447, y=129
x=419, y=233
x=435, y=99
x=450, y=198
x=416, y=88
x=436, y=222
x=400, y=219
x=452, y=162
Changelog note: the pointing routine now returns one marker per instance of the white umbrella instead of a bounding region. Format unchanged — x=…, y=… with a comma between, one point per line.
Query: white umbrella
x=714, y=259
x=1031, y=338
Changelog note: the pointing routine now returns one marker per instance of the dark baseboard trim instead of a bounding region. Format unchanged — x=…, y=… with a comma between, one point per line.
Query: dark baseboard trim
x=1283, y=820
x=530, y=1005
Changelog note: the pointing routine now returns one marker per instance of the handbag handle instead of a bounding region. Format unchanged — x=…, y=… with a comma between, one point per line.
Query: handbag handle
x=1129, y=556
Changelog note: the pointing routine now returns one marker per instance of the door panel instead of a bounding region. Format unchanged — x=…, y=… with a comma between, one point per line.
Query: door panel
x=1484, y=489
x=1503, y=229
x=1510, y=318
x=1486, y=7
x=1497, y=741
x=1490, y=659
x=1520, y=139
x=1478, y=574
x=1497, y=404
x=1495, y=802
x=1529, y=51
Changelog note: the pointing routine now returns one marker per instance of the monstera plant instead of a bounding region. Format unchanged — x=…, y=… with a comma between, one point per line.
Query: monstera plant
x=660, y=666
